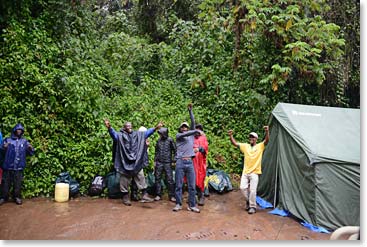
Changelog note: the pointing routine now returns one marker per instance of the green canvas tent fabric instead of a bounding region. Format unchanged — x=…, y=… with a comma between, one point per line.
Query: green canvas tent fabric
x=311, y=165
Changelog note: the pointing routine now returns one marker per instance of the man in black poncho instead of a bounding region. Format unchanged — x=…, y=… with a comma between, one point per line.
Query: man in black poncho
x=130, y=156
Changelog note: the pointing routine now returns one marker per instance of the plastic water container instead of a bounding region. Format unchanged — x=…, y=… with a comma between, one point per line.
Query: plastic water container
x=61, y=192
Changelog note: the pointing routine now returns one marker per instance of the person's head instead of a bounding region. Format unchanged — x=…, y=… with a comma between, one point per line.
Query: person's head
x=253, y=138
x=199, y=127
x=184, y=126
x=18, y=130
x=163, y=133
x=128, y=127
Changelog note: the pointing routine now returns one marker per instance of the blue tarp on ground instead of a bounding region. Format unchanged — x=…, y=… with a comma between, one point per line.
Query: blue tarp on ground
x=314, y=228
x=279, y=212
x=264, y=204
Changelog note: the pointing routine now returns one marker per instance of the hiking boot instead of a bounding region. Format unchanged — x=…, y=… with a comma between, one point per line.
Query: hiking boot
x=173, y=199
x=18, y=201
x=157, y=198
x=247, y=206
x=252, y=211
x=2, y=201
x=177, y=208
x=146, y=198
x=125, y=200
x=193, y=209
x=201, y=201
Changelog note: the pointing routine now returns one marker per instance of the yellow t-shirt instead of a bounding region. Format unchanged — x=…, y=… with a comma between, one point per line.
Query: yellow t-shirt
x=253, y=156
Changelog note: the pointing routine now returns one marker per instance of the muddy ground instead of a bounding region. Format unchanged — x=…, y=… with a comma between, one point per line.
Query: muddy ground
x=85, y=218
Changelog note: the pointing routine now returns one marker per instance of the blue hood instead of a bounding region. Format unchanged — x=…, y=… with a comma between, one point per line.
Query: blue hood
x=18, y=126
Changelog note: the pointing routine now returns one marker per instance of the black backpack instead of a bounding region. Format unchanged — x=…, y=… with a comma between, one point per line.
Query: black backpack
x=113, y=185
x=97, y=185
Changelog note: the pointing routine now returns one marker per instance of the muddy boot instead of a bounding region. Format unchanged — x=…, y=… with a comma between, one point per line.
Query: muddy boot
x=201, y=201
x=126, y=200
x=201, y=198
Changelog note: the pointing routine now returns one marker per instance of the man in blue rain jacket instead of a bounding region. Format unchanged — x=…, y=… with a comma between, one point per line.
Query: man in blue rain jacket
x=15, y=149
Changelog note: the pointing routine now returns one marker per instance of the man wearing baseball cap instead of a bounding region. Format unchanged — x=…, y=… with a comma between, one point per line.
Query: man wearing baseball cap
x=184, y=162
x=252, y=166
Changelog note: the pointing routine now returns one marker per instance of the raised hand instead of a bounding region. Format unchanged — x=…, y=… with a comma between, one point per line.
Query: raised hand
x=107, y=123
x=159, y=125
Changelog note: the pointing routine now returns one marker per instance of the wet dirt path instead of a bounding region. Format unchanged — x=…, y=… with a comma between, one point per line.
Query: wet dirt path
x=222, y=218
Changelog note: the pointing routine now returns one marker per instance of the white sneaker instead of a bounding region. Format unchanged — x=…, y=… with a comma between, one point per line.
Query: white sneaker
x=193, y=209
x=252, y=210
x=146, y=198
x=157, y=198
x=178, y=207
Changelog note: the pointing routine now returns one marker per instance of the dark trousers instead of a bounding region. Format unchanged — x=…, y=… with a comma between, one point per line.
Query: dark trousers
x=185, y=168
x=159, y=168
x=12, y=179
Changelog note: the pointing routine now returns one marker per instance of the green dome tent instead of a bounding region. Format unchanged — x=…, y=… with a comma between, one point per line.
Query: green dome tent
x=311, y=165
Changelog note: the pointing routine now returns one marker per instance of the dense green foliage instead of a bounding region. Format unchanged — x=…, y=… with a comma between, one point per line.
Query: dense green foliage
x=67, y=65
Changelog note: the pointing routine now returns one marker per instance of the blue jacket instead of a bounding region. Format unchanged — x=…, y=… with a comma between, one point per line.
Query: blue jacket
x=16, y=151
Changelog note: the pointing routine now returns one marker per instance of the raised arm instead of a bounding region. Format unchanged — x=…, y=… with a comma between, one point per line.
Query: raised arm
x=187, y=133
x=151, y=131
x=233, y=141
x=266, y=140
x=112, y=132
x=189, y=107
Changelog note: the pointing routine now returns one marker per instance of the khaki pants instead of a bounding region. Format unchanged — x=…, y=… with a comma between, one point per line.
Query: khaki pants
x=139, y=179
x=248, y=188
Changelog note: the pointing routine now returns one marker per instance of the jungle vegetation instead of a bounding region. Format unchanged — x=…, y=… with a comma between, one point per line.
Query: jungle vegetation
x=65, y=65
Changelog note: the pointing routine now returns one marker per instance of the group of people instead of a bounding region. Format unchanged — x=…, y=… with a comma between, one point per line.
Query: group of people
x=130, y=157
x=189, y=151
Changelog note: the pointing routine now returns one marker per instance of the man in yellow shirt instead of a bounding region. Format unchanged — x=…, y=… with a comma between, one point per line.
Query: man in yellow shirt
x=252, y=166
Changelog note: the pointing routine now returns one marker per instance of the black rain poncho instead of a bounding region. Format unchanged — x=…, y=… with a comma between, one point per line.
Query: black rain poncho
x=130, y=152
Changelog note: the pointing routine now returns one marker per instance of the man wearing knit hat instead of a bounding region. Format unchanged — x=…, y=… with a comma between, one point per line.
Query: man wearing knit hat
x=252, y=166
